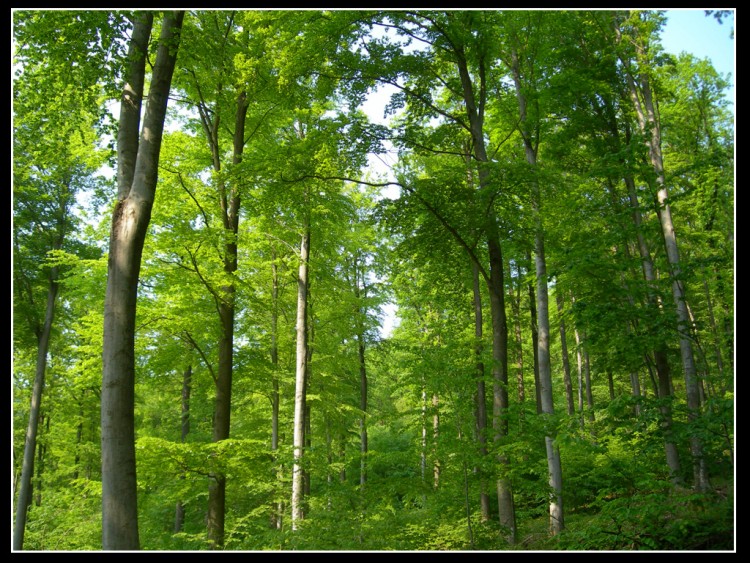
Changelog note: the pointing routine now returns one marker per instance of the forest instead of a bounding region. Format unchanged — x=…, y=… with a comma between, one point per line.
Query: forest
x=248, y=315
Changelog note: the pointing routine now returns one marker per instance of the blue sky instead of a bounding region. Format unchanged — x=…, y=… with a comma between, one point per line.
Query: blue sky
x=692, y=31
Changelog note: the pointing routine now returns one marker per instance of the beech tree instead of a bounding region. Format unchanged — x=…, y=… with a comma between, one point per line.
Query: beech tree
x=63, y=168
x=54, y=162
x=253, y=389
x=137, y=174
x=642, y=95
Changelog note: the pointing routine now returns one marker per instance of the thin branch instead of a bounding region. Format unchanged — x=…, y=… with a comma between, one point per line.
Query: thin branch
x=187, y=190
x=198, y=349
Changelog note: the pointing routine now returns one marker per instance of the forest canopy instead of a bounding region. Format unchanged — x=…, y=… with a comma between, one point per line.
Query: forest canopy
x=210, y=234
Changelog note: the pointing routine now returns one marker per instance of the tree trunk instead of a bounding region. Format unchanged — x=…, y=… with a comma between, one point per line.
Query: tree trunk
x=554, y=466
x=306, y=477
x=435, y=434
x=661, y=361
x=131, y=216
x=230, y=207
x=41, y=451
x=480, y=398
x=639, y=86
x=79, y=438
x=278, y=510
x=495, y=284
x=587, y=375
x=565, y=359
x=610, y=385
x=423, y=449
x=362, y=375
x=531, y=143
x=187, y=376
x=43, y=338
x=579, y=362
x=300, y=381
x=635, y=385
x=516, y=305
x=535, y=343
x=363, y=407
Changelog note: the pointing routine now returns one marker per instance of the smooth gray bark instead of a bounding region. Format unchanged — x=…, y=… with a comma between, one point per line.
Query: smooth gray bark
x=639, y=87
x=565, y=359
x=130, y=220
x=300, y=378
x=531, y=144
x=480, y=398
x=43, y=338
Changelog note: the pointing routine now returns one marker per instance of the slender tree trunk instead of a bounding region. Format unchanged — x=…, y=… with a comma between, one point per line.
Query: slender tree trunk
x=579, y=360
x=495, y=281
x=79, y=439
x=531, y=143
x=363, y=407
x=635, y=385
x=306, y=478
x=130, y=219
x=714, y=331
x=610, y=385
x=661, y=362
x=278, y=510
x=423, y=449
x=516, y=304
x=362, y=375
x=565, y=359
x=342, y=458
x=663, y=371
x=554, y=465
x=435, y=435
x=535, y=343
x=230, y=208
x=41, y=455
x=480, y=398
x=300, y=382
x=43, y=338
x=587, y=375
x=641, y=96
x=584, y=379
x=187, y=376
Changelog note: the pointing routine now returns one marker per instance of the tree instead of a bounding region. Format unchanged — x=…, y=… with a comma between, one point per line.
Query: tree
x=229, y=186
x=301, y=373
x=137, y=174
x=462, y=61
x=512, y=134
x=54, y=162
x=522, y=60
x=642, y=97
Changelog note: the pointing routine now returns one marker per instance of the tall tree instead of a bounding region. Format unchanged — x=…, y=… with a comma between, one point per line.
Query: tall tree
x=301, y=373
x=564, y=352
x=637, y=65
x=55, y=157
x=521, y=57
x=137, y=175
x=463, y=62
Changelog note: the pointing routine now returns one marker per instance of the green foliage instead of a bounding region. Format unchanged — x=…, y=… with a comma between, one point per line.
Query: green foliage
x=652, y=521
x=69, y=519
x=304, y=75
